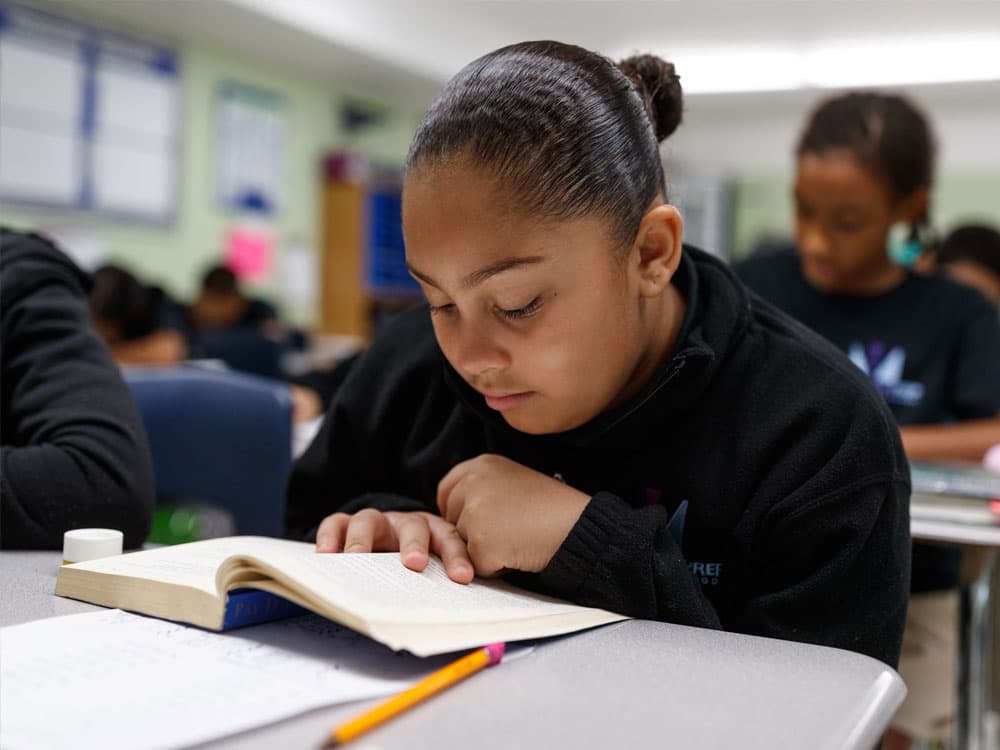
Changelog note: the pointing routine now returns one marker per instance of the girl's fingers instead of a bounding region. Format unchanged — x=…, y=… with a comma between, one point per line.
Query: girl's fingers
x=414, y=539
x=364, y=528
x=445, y=501
x=449, y=546
x=330, y=535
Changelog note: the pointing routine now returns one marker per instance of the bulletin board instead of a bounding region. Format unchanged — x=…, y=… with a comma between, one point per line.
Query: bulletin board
x=251, y=149
x=89, y=118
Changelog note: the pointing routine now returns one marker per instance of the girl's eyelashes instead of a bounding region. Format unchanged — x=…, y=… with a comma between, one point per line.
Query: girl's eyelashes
x=517, y=314
x=435, y=309
x=521, y=312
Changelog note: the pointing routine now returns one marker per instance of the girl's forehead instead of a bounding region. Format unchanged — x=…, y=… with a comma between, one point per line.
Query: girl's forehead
x=839, y=173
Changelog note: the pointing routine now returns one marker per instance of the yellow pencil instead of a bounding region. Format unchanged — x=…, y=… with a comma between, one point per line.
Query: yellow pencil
x=430, y=685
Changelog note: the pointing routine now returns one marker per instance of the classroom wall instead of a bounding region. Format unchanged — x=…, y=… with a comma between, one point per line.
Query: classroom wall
x=745, y=140
x=175, y=255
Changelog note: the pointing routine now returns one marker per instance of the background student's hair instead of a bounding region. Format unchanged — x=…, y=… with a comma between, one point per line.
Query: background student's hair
x=977, y=243
x=569, y=131
x=886, y=132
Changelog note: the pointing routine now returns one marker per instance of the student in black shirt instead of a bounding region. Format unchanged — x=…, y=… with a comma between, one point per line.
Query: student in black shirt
x=593, y=409
x=930, y=346
x=74, y=451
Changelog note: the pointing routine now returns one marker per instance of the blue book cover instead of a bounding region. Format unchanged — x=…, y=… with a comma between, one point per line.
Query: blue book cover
x=251, y=607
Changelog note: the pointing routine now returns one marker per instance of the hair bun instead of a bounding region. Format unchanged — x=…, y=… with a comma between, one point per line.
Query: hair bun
x=660, y=89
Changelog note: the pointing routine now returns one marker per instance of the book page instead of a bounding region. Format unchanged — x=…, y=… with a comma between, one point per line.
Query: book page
x=193, y=564
x=119, y=681
x=378, y=587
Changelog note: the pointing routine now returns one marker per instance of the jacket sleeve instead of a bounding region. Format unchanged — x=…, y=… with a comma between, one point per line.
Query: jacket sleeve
x=833, y=571
x=625, y=560
x=74, y=452
x=836, y=570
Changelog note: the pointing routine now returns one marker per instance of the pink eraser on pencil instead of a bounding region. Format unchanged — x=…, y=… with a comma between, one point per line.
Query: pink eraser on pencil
x=495, y=651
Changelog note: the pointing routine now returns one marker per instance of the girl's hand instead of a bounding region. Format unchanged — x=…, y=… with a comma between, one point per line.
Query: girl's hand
x=511, y=517
x=415, y=535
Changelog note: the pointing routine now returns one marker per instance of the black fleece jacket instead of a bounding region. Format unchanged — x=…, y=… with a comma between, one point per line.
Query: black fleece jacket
x=74, y=452
x=757, y=484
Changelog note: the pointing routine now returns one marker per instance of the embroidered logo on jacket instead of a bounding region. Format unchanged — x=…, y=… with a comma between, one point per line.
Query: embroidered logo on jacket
x=885, y=368
x=706, y=573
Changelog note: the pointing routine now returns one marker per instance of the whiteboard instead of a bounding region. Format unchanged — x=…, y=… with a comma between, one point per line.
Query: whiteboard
x=89, y=119
x=40, y=154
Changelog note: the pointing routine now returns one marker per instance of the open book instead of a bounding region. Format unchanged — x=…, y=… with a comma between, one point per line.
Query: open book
x=223, y=583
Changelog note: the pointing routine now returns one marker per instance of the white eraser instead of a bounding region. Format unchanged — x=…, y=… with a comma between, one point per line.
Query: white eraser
x=89, y=544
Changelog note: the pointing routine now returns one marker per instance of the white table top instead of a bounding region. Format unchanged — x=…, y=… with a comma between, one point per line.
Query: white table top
x=636, y=683
x=955, y=533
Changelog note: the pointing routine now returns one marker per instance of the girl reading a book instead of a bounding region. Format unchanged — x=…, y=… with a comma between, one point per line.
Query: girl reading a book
x=593, y=409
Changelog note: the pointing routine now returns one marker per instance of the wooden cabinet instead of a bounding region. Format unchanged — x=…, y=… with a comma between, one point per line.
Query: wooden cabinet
x=364, y=277
x=344, y=304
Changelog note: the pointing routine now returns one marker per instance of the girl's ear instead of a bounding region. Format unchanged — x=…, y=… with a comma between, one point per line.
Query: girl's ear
x=912, y=208
x=657, y=249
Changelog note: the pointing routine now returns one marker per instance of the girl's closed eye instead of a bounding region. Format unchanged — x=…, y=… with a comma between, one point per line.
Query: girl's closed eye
x=520, y=313
x=446, y=308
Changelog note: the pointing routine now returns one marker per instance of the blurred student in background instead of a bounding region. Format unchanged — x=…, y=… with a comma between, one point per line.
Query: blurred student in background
x=248, y=335
x=971, y=255
x=931, y=346
x=141, y=324
x=74, y=452
x=221, y=304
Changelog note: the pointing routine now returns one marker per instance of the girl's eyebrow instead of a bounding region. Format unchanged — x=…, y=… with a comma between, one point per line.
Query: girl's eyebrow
x=478, y=277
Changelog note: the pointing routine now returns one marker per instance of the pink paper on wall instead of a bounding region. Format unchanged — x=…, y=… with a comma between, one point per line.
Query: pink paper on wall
x=248, y=251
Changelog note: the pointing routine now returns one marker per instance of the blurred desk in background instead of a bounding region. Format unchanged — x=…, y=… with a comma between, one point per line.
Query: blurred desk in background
x=981, y=533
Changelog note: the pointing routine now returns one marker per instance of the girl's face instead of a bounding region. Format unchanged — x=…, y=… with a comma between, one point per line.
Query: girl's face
x=843, y=212
x=538, y=317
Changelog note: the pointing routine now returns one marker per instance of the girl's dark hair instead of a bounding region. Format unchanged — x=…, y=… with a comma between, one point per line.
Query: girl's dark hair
x=120, y=298
x=571, y=133
x=885, y=131
x=973, y=242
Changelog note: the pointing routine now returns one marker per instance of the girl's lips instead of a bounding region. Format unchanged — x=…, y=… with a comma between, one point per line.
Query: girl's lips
x=509, y=401
x=819, y=267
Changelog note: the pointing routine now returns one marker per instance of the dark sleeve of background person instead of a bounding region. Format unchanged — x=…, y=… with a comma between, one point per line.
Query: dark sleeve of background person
x=326, y=383
x=74, y=453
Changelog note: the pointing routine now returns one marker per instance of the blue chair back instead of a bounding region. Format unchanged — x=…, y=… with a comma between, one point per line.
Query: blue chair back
x=219, y=436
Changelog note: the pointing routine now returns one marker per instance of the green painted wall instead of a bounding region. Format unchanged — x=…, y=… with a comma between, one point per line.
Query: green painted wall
x=175, y=256
x=762, y=205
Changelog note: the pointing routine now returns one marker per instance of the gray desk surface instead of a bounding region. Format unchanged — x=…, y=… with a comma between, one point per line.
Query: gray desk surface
x=975, y=535
x=636, y=683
